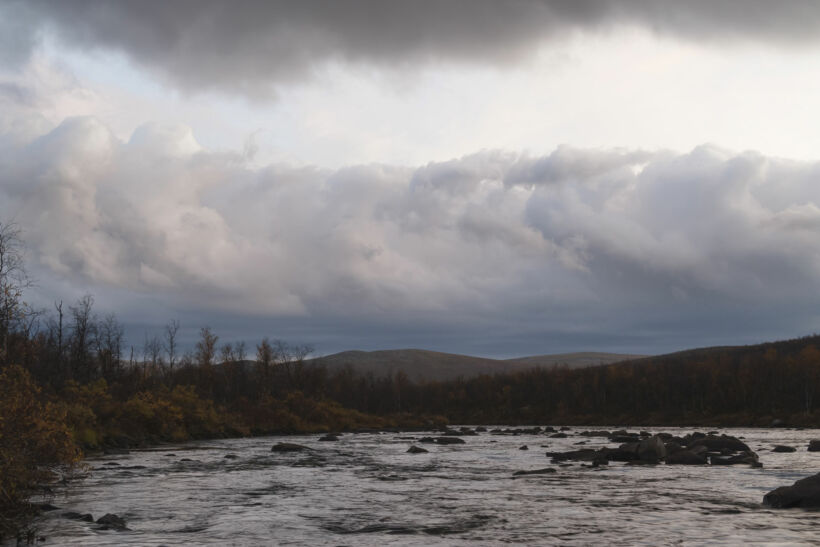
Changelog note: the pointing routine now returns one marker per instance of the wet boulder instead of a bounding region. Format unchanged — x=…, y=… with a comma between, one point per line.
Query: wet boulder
x=624, y=453
x=288, y=447
x=814, y=446
x=652, y=449
x=698, y=450
x=600, y=460
x=595, y=433
x=685, y=457
x=448, y=440
x=672, y=447
x=745, y=457
x=543, y=471
x=718, y=443
x=584, y=454
x=523, y=447
x=558, y=435
x=416, y=450
x=110, y=521
x=330, y=437
x=622, y=436
x=73, y=515
x=803, y=493
x=783, y=448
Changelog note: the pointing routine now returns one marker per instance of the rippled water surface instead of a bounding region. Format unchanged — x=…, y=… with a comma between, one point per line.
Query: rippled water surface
x=366, y=490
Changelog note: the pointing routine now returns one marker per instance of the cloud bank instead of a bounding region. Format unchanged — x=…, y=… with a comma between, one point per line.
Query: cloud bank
x=256, y=45
x=709, y=242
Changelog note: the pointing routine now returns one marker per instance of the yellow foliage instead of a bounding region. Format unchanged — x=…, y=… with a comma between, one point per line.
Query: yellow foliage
x=34, y=438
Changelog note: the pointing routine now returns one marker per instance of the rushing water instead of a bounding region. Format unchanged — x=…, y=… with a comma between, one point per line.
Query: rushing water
x=366, y=490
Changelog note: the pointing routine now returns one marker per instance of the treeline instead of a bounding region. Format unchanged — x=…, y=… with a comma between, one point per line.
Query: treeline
x=743, y=386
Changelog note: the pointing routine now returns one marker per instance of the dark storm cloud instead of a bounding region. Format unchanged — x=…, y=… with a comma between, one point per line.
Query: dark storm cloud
x=255, y=45
x=658, y=250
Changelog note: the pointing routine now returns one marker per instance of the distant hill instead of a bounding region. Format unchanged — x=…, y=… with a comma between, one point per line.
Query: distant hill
x=574, y=360
x=421, y=364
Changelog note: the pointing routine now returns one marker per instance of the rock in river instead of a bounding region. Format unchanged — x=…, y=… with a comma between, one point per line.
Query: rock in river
x=73, y=515
x=110, y=521
x=685, y=457
x=803, y=493
x=329, y=437
x=718, y=443
x=784, y=448
x=652, y=449
x=449, y=440
x=543, y=471
x=288, y=447
x=814, y=446
x=416, y=450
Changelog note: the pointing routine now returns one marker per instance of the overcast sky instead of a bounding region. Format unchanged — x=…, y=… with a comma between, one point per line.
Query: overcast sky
x=499, y=177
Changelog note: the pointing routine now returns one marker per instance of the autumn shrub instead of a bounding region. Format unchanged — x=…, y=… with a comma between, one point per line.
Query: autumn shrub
x=34, y=441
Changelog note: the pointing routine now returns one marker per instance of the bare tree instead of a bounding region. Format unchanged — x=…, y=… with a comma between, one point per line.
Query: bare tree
x=83, y=329
x=241, y=351
x=206, y=347
x=171, y=330
x=13, y=281
x=110, y=334
x=59, y=335
x=264, y=360
x=151, y=355
x=226, y=353
x=291, y=358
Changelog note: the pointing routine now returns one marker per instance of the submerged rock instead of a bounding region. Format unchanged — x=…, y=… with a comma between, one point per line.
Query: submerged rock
x=595, y=433
x=814, y=446
x=73, y=515
x=288, y=447
x=417, y=450
x=803, y=493
x=583, y=455
x=543, y=471
x=448, y=440
x=783, y=448
x=330, y=437
x=110, y=521
x=523, y=447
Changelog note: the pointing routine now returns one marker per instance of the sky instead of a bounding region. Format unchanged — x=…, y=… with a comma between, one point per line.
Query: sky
x=491, y=177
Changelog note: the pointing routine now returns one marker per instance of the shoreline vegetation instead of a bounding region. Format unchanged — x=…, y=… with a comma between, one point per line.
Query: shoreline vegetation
x=67, y=388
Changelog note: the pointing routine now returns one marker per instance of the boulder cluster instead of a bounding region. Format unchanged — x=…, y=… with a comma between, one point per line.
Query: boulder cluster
x=643, y=448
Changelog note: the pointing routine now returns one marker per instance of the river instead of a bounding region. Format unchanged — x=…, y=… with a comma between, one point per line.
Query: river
x=366, y=489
